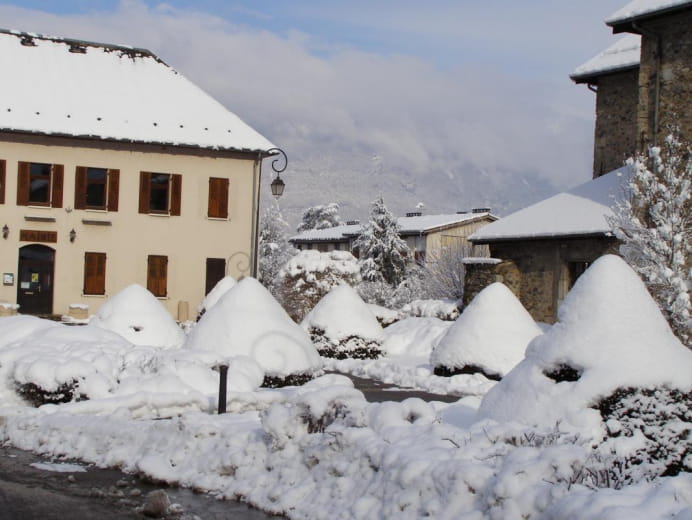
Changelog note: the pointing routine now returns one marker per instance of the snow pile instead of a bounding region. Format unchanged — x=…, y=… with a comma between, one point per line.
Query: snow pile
x=414, y=336
x=489, y=337
x=221, y=288
x=248, y=321
x=442, y=309
x=610, y=335
x=342, y=326
x=384, y=315
x=137, y=316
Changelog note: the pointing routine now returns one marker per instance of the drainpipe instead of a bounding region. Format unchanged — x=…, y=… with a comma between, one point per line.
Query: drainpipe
x=592, y=87
x=256, y=180
x=657, y=65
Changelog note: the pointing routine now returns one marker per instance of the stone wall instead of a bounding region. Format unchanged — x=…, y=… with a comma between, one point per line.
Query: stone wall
x=536, y=270
x=671, y=72
x=615, y=136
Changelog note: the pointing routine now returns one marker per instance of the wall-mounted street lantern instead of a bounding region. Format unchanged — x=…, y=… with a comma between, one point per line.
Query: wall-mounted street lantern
x=278, y=185
x=5, y=231
x=73, y=235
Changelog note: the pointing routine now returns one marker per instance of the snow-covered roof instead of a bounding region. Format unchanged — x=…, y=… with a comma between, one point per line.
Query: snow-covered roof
x=643, y=9
x=577, y=212
x=412, y=225
x=83, y=89
x=622, y=55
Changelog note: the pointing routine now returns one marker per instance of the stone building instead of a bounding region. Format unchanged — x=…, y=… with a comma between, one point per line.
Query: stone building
x=541, y=250
x=115, y=169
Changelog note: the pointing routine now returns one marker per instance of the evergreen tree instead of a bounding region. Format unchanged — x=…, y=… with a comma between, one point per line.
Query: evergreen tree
x=320, y=217
x=274, y=248
x=654, y=226
x=382, y=251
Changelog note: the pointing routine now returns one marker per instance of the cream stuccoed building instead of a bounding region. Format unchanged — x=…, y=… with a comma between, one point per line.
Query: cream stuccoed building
x=115, y=169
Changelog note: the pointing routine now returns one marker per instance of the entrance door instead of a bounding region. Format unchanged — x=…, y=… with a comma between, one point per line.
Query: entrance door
x=35, y=288
x=216, y=269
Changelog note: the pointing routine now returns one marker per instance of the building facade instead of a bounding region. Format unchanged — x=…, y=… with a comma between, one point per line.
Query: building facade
x=110, y=182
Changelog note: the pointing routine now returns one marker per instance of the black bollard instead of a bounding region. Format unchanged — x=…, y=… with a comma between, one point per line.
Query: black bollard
x=223, y=375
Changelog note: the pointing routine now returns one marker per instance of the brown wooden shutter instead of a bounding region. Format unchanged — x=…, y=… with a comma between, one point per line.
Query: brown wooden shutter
x=218, y=198
x=176, y=193
x=23, y=184
x=3, y=178
x=57, y=178
x=157, y=275
x=144, y=191
x=113, y=189
x=216, y=270
x=94, y=273
x=80, y=178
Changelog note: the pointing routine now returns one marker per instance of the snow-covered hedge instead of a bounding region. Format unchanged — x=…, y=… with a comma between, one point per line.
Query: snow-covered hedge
x=309, y=275
x=342, y=326
x=489, y=337
x=221, y=288
x=139, y=317
x=248, y=321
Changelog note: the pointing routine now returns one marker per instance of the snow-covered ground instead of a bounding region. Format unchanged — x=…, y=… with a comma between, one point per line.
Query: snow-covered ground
x=530, y=446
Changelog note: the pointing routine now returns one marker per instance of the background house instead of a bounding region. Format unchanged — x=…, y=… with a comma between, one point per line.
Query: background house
x=427, y=236
x=542, y=249
x=115, y=169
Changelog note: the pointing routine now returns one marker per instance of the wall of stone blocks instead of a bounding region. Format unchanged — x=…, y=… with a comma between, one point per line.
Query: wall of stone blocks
x=615, y=135
x=534, y=269
x=673, y=74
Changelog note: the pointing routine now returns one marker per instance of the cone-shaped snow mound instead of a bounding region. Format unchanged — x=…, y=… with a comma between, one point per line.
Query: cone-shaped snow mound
x=610, y=335
x=137, y=315
x=221, y=288
x=248, y=321
x=490, y=336
x=341, y=325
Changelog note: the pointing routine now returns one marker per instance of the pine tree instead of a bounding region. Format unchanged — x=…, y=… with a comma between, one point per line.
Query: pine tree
x=274, y=248
x=382, y=251
x=320, y=217
x=654, y=225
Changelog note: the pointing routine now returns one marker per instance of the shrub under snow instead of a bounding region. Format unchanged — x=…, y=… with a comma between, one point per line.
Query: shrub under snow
x=443, y=309
x=489, y=337
x=137, y=316
x=342, y=326
x=309, y=275
x=611, y=360
x=248, y=321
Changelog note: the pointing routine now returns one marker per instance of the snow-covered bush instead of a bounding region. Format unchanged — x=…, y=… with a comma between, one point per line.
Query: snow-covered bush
x=139, y=317
x=489, y=337
x=274, y=248
x=447, y=310
x=654, y=226
x=384, y=315
x=248, y=321
x=414, y=336
x=611, y=363
x=309, y=275
x=221, y=288
x=341, y=326
x=46, y=362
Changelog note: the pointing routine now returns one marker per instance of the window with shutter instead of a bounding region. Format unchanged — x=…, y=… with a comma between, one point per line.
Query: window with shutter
x=2, y=181
x=94, y=273
x=160, y=193
x=218, y=198
x=216, y=270
x=157, y=275
x=40, y=184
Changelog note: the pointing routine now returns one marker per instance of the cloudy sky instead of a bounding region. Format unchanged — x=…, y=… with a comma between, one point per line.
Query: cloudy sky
x=444, y=85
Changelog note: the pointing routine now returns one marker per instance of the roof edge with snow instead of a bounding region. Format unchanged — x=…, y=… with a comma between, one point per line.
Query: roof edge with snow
x=623, y=20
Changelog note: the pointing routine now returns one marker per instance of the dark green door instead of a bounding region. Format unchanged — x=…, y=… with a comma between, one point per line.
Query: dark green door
x=35, y=287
